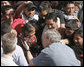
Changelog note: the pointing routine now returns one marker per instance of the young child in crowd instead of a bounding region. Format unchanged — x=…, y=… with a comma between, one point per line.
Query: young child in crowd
x=78, y=47
x=67, y=35
x=28, y=35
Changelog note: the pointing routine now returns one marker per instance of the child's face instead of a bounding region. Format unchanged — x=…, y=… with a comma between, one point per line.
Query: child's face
x=32, y=33
x=78, y=39
x=69, y=32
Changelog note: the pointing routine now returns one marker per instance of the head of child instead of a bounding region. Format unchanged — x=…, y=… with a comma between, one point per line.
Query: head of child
x=71, y=27
x=78, y=37
x=28, y=30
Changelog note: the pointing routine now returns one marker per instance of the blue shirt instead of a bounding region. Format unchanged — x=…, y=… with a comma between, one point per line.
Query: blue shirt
x=19, y=57
x=56, y=54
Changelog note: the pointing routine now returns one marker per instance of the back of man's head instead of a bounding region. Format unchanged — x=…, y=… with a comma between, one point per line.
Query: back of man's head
x=9, y=41
x=53, y=35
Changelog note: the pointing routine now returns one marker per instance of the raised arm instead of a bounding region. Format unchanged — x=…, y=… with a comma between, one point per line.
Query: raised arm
x=21, y=8
x=29, y=55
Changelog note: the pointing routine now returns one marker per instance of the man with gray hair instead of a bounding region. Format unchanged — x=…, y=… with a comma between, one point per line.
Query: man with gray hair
x=53, y=35
x=9, y=42
x=54, y=52
x=18, y=55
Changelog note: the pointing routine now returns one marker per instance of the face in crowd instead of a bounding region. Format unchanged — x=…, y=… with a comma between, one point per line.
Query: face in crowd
x=78, y=39
x=9, y=13
x=43, y=14
x=4, y=3
x=31, y=34
x=70, y=8
x=69, y=32
x=30, y=12
x=51, y=24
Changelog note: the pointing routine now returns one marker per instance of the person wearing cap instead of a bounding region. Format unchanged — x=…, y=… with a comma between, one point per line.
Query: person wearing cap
x=26, y=11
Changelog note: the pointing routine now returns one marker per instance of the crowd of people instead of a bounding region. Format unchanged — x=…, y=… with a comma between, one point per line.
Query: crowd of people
x=41, y=33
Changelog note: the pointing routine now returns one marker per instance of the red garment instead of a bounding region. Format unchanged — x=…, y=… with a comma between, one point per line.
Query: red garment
x=81, y=55
x=18, y=24
x=33, y=40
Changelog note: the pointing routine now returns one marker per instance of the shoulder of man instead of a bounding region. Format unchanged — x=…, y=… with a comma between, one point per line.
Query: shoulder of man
x=19, y=56
x=18, y=50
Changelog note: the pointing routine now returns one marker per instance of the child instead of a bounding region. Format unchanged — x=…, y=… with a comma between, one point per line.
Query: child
x=67, y=35
x=78, y=48
x=28, y=35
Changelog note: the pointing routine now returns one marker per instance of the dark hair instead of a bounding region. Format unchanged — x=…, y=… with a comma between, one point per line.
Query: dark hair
x=30, y=5
x=43, y=7
x=79, y=32
x=28, y=27
x=6, y=27
x=68, y=2
x=34, y=23
x=71, y=24
x=4, y=8
x=51, y=16
x=54, y=4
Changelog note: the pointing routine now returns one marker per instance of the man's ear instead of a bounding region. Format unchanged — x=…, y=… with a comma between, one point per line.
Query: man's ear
x=15, y=48
x=49, y=41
